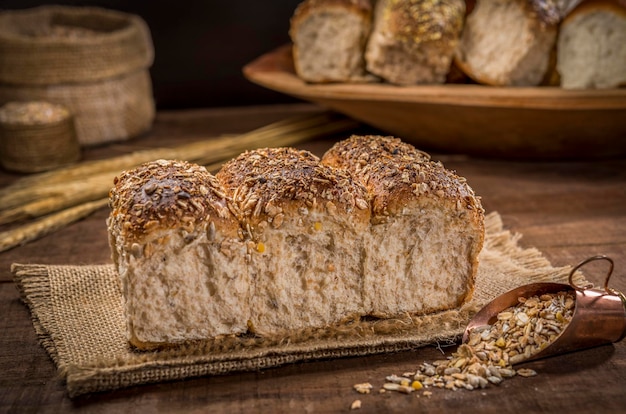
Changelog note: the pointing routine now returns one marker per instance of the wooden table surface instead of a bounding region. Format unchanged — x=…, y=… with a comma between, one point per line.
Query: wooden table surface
x=567, y=210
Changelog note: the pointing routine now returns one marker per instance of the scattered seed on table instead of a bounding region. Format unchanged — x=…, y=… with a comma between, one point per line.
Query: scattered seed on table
x=489, y=355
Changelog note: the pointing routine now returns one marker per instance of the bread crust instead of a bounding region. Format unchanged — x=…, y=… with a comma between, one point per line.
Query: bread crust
x=163, y=195
x=394, y=172
x=414, y=22
x=412, y=41
x=405, y=186
x=261, y=184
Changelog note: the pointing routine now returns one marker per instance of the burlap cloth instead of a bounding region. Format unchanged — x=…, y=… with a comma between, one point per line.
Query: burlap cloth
x=78, y=316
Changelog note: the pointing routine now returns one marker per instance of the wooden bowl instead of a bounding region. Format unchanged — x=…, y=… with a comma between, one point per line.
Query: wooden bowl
x=504, y=122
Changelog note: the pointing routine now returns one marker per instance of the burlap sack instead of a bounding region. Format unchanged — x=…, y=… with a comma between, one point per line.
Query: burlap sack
x=92, y=60
x=78, y=316
x=32, y=147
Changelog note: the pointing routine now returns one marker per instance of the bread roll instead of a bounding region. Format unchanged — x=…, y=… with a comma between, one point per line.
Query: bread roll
x=279, y=241
x=413, y=41
x=177, y=249
x=329, y=38
x=304, y=222
x=505, y=43
x=421, y=250
x=591, y=49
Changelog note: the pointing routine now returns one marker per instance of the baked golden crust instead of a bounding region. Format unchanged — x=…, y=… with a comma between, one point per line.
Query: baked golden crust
x=413, y=41
x=257, y=185
x=395, y=172
x=164, y=195
x=414, y=22
x=263, y=183
x=405, y=186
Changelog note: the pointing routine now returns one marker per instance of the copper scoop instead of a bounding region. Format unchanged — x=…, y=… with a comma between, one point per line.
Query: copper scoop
x=599, y=315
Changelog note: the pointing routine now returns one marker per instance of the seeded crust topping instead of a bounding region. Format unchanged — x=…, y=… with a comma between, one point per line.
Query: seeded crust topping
x=422, y=21
x=393, y=171
x=261, y=182
x=162, y=195
x=367, y=176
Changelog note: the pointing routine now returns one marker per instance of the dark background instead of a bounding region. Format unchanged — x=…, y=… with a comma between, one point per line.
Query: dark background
x=201, y=46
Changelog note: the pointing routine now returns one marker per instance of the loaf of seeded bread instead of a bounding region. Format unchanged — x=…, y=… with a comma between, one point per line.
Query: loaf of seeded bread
x=426, y=228
x=179, y=254
x=302, y=221
x=591, y=48
x=413, y=41
x=505, y=43
x=280, y=241
x=329, y=38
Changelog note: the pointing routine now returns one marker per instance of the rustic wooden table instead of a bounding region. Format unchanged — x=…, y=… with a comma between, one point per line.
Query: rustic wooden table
x=567, y=210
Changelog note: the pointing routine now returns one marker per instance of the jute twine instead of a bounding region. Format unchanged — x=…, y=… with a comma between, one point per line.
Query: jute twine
x=92, y=60
x=77, y=313
x=38, y=146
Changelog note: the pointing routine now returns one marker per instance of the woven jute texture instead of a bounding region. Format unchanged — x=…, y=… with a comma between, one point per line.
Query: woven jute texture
x=92, y=60
x=38, y=147
x=78, y=316
x=54, y=44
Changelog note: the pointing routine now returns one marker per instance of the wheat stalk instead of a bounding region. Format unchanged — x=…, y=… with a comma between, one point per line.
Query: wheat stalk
x=18, y=197
x=291, y=131
x=47, y=225
x=61, y=196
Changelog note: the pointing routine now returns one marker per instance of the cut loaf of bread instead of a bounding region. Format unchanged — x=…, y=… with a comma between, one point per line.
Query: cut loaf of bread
x=505, y=43
x=421, y=250
x=280, y=241
x=591, y=48
x=329, y=38
x=179, y=254
x=303, y=222
x=413, y=41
